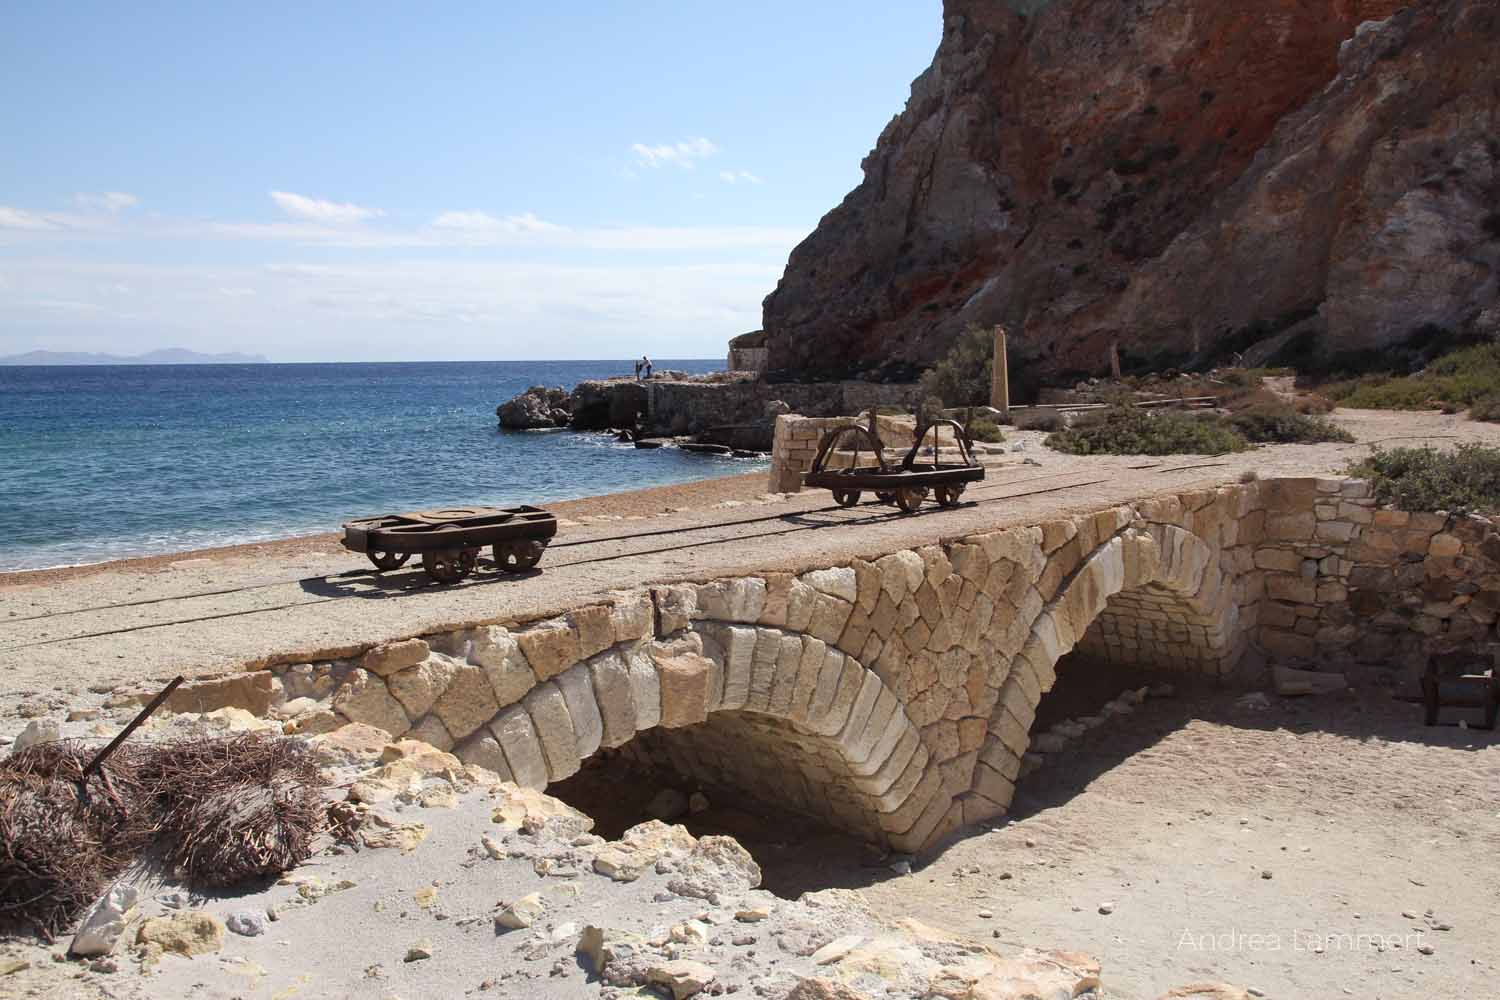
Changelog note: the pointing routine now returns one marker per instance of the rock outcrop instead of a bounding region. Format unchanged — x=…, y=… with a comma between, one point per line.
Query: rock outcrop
x=1187, y=179
x=537, y=408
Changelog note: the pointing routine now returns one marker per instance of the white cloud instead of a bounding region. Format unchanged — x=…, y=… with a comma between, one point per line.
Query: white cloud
x=107, y=201
x=385, y=310
x=681, y=154
x=327, y=212
x=735, y=176
x=483, y=222
x=16, y=218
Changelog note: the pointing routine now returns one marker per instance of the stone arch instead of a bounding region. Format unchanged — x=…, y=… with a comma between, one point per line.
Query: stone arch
x=781, y=713
x=1157, y=585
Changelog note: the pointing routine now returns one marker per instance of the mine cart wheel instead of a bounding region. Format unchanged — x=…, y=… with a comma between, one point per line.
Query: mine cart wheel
x=846, y=498
x=885, y=496
x=388, y=560
x=449, y=565
x=947, y=496
x=518, y=557
x=909, y=498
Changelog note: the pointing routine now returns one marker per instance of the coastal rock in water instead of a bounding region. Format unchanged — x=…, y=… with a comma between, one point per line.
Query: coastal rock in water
x=599, y=405
x=537, y=408
x=1188, y=180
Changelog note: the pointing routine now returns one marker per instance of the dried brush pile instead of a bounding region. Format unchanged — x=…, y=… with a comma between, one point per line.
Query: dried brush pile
x=236, y=809
x=221, y=811
x=63, y=838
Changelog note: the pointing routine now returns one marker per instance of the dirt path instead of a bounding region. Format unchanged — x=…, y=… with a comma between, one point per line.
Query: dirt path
x=304, y=600
x=1174, y=814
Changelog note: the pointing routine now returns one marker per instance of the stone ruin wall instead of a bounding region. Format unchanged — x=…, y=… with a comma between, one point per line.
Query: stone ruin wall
x=795, y=441
x=894, y=698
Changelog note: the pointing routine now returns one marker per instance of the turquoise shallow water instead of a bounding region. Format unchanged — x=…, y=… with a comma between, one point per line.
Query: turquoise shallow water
x=108, y=462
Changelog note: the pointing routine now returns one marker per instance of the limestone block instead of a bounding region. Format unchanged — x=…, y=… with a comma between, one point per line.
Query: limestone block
x=1280, y=560
x=645, y=690
x=577, y=686
x=801, y=602
x=1444, y=546
x=901, y=573
x=809, y=671
x=829, y=616
x=840, y=582
x=498, y=653
x=418, y=687
x=860, y=711
x=1297, y=526
x=631, y=615
x=993, y=785
x=1296, y=589
x=430, y=729
x=778, y=594
x=468, y=702
x=1056, y=534
x=736, y=644
x=1336, y=531
x=364, y=698
x=684, y=690
x=763, y=668
x=904, y=817
x=677, y=606
x=595, y=627
x=554, y=729
x=550, y=647
x=827, y=718
x=517, y=737
x=788, y=667
x=612, y=692
x=935, y=564
x=482, y=750
x=891, y=767
x=736, y=600
x=393, y=656
x=255, y=691
x=868, y=585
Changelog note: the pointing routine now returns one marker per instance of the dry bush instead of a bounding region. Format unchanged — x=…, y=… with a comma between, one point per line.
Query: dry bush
x=1038, y=420
x=236, y=809
x=63, y=838
x=223, y=811
x=1313, y=404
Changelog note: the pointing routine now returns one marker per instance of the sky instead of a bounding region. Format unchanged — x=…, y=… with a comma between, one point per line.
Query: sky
x=401, y=182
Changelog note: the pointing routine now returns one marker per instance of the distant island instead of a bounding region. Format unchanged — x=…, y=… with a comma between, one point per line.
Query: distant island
x=166, y=356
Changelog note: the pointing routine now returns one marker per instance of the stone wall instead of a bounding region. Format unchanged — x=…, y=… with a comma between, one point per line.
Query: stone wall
x=795, y=440
x=690, y=407
x=895, y=697
x=1349, y=584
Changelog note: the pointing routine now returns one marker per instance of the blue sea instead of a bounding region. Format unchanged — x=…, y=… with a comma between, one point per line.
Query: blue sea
x=109, y=462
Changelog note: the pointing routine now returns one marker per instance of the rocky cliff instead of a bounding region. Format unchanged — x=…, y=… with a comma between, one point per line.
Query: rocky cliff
x=1187, y=178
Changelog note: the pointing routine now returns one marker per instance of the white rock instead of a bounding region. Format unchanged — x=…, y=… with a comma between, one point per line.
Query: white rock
x=106, y=922
x=37, y=731
x=247, y=923
x=522, y=913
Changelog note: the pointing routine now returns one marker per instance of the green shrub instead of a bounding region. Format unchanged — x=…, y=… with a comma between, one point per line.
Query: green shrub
x=1039, y=420
x=1280, y=423
x=1131, y=430
x=962, y=378
x=1456, y=379
x=1462, y=481
x=1486, y=408
x=987, y=431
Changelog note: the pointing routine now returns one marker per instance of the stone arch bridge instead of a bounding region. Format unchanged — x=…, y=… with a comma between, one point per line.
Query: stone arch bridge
x=892, y=698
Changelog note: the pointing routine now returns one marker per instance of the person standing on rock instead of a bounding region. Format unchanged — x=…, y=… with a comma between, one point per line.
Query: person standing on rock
x=646, y=363
x=638, y=370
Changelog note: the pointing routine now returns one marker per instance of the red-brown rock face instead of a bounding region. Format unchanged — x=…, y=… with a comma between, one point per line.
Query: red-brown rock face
x=1184, y=177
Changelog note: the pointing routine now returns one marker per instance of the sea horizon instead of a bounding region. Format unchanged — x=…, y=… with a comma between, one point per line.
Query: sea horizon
x=107, y=462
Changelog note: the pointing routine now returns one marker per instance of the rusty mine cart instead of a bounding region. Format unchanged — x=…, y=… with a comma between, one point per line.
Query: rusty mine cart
x=450, y=539
x=906, y=485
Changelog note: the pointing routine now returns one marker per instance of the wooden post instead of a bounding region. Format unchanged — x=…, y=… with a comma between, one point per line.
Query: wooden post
x=1000, y=376
x=1114, y=360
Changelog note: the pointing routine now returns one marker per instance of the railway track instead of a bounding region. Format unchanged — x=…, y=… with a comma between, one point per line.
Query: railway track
x=164, y=612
